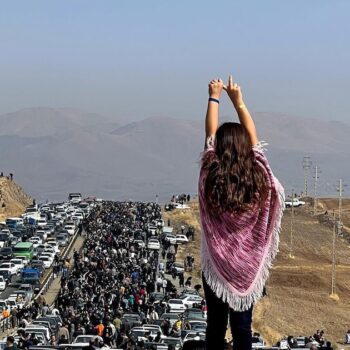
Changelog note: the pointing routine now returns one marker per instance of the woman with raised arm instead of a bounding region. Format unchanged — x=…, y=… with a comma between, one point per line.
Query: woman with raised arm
x=241, y=205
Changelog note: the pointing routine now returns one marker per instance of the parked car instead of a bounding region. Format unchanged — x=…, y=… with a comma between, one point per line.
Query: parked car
x=194, y=314
x=173, y=317
x=294, y=203
x=18, y=262
x=6, y=253
x=7, y=275
x=46, y=261
x=176, y=342
x=179, y=267
x=181, y=239
x=191, y=335
x=2, y=283
x=170, y=238
x=84, y=340
x=9, y=266
x=70, y=228
x=176, y=305
x=62, y=240
x=140, y=243
x=190, y=300
x=153, y=243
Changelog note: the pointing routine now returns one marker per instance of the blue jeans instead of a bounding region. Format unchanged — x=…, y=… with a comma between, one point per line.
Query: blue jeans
x=217, y=316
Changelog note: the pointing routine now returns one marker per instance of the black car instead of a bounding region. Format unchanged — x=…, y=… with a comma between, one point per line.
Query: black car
x=6, y=253
x=7, y=276
x=132, y=319
x=5, y=237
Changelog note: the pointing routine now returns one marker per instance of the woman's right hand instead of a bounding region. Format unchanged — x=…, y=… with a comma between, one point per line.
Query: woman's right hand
x=215, y=88
x=234, y=92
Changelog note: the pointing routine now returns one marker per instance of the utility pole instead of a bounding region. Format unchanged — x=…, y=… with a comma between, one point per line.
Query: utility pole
x=316, y=177
x=333, y=257
x=291, y=228
x=306, y=166
x=340, y=189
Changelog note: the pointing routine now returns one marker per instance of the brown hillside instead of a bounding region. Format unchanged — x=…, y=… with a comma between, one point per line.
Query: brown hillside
x=13, y=200
x=298, y=301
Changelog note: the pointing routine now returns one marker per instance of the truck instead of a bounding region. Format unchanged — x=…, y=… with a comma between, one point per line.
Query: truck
x=31, y=276
x=294, y=203
x=74, y=197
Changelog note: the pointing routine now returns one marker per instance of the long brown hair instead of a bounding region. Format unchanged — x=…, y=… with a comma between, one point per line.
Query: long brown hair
x=235, y=182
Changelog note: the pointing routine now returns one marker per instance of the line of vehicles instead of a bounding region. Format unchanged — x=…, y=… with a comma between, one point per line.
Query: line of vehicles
x=30, y=244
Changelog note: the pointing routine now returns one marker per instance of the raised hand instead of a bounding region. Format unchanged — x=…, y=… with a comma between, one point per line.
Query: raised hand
x=234, y=92
x=215, y=88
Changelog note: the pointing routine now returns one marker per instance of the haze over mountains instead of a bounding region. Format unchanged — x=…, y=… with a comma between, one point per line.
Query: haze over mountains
x=53, y=151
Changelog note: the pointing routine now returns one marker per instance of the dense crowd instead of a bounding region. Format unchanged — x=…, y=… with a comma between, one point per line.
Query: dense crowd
x=112, y=277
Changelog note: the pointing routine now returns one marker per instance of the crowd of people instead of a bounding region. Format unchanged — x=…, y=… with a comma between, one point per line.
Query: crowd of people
x=114, y=276
x=181, y=198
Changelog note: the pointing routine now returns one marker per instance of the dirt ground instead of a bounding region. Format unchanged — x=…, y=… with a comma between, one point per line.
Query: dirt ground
x=13, y=200
x=299, y=287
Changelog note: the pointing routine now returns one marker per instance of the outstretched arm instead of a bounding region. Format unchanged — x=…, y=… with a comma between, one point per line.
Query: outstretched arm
x=212, y=117
x=235, y=94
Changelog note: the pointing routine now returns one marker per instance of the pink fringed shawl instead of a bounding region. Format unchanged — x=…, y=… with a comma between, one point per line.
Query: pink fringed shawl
x=238, y=249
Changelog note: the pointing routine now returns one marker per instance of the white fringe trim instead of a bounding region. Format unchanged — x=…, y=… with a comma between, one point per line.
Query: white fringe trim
x=235, y=301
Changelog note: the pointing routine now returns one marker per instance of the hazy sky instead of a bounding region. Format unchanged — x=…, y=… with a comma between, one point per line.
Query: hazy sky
x=134, y=59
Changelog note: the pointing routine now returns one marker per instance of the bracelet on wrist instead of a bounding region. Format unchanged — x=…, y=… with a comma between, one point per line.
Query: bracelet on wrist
x=212, y=99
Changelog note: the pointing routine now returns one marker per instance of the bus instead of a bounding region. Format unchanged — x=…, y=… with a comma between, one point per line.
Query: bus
x=14, y=222
x=25, y=249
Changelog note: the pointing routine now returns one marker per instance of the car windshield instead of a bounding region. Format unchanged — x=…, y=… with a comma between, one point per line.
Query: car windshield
x=174, y=301
x=6, y=250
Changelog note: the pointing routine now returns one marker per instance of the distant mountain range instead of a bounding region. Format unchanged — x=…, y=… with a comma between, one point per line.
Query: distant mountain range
x=53, y=151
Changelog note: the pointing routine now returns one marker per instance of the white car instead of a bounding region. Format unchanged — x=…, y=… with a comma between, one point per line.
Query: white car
x=18, y=263
x=31, y=328
x=170, y=238
x=70, y=228
x=140, y=243
x=189, y=300
x=191, y=335
x=153, y=244
x=36, y=241
x=20, y=302
x=79, y=214
x=176, y=305
x=48, y=254
x=41, y=222
x=49, y=249
x=24, y=259
x=181, y=206
x=2, y=283
x=42, y=234
x=181, y=239
x=46, y=261
x=84, y=340
x=53, y=244
x=296, y=203
x=9, y=266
